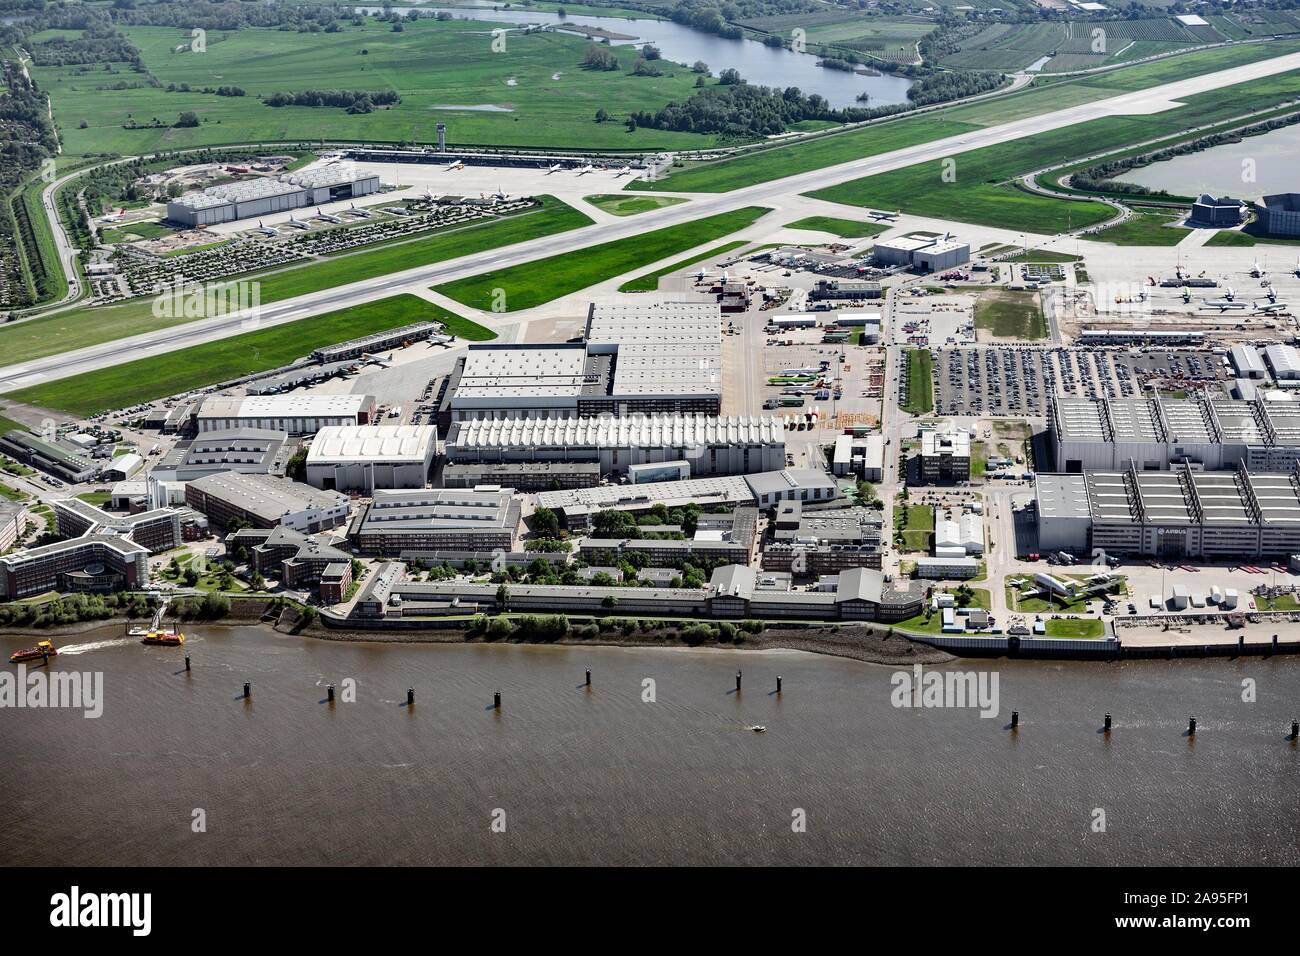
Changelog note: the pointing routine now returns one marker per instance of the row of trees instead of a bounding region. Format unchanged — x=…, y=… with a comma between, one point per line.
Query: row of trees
x=354, y=101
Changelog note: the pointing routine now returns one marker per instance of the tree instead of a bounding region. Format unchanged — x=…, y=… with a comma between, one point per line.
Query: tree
x=186, y=120
x=599, y=58
x=730, y=77
x=602, y=115
x=609, y=601
x=545, y=521
x=503, y=597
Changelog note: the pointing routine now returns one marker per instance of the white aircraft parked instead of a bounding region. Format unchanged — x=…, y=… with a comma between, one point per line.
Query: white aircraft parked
x=586, y=169
x=1256, y=270
x=622, y=170
x=297, y=223
x=362, y=213
x=454, y=165
x=326, y=217
x=114, y=216
x=265, y=230
x=555, y=169
x=381, y=360
x=886, y=216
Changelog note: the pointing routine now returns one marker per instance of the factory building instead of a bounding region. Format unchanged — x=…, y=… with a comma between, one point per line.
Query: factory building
x=1247, y=361
x=924, y=253
x=848, y=289
x=58, y=458
x=708, y=445
x=252, y=451
x=303, y=414
x=378, y=342
x=1147, y=336
x=249, y=198
x=643, y=358
x=1155, y=433
x=1171, y=514
x=437, y=519
x=1279, y=215
x=526, y=476
x=944, y=457
x=960, y=537
x=1222, y=212
x=1284, y=360
x=260, y=501
x=366, y=457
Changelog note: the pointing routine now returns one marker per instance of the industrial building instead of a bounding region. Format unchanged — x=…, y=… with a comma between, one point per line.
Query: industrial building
x=366, y=457
x=864, y=457
x=1171, y=514
x=60, y=459
x=1284, y=360
x=264, y=196
x=764, y=490
x=1221, y=212
x=303, y=414
x=708, y=445
x=377, y=342
x=944, y=457
x=847, y=289
x=922, y=252
x=1279, y=215
x=252, y=451
x=526, y=476
x=960, y=537
x=647, y=357
x=1141, y=336
x=947, y=569
x=860, y=594
x=1155, y=433
x=260, y=501
x=1248, y=362
x=437, y=519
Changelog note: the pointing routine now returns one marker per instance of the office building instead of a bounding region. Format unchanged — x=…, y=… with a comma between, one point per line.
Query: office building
x=437, y=519
x=260, y=501
x=944, y=457
x=1221, y=212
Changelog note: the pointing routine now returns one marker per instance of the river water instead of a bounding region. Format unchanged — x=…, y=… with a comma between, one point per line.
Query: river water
x=757, y=62
x=600, y=776
x=1223, y=170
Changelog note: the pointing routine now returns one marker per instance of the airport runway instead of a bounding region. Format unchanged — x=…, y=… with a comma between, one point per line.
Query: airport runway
x=1144, y=102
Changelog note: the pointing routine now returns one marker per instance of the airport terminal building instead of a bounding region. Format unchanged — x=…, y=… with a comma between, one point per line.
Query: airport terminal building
x=1157, y=433
x=1175, y=514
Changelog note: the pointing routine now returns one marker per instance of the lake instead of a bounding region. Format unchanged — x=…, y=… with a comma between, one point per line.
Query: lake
x=1219, y=170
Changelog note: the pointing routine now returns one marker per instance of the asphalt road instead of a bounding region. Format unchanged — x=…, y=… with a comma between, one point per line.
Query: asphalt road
x=116, y=352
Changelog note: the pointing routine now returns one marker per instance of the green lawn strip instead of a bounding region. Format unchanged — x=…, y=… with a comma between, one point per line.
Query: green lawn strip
x=1250, y=235
x=185, y=369
x=629, y=205
x=96, y=498
x=1081, y=628
x=844, y=228
x=918, y=531
x=543, y=280
x=1144, y=229
x=79, y=328
x=920, y=382
x=650, y=281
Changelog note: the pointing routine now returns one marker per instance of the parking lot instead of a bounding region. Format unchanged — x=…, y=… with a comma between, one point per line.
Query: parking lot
x=1016, y=381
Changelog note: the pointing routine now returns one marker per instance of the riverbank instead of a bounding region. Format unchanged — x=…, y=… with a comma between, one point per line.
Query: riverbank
x=859, y=643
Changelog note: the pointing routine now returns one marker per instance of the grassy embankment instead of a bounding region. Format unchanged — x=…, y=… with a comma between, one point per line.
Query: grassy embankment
x=79, y=328
x=534, y=283
x=649, y=282
x=844, y=228
x=185, y=369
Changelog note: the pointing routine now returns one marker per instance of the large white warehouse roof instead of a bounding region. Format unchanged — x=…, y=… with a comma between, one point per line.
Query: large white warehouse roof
x=339, y=444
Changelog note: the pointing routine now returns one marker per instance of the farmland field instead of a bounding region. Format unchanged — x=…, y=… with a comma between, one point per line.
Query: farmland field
x=539, y=94
x=185, y=369
x=540, y=281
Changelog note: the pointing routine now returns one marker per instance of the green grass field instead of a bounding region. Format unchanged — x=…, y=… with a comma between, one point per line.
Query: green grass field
x=534, y=283
x=774, y=163
x=1077, y=628
x=920, y=382
x=173, y=372
x=542, y=95
x=650, y=281
x=919, y=527
x=1011, y=315
x=844, y=228
x=78, y=328
x=1145, y=229
x=629, y=205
